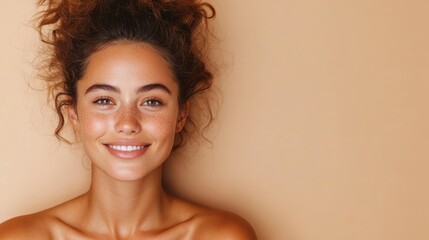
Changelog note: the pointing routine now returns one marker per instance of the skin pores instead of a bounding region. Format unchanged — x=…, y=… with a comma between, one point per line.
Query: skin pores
x=127, y=111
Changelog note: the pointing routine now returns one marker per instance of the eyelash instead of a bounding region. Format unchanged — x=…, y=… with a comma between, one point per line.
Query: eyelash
x=151, y=102
x=99, y=101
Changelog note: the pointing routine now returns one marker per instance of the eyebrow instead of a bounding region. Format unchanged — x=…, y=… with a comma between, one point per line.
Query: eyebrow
x=149, y=87
x=145, y=88
x=106, y=87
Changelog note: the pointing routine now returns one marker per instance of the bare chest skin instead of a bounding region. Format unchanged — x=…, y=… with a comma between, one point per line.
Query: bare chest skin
x=181, y=231
x=204, y=224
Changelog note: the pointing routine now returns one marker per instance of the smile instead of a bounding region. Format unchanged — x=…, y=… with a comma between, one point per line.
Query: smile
x=124, y=148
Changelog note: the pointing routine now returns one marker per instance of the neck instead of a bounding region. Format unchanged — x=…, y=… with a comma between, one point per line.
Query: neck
x=121, y=208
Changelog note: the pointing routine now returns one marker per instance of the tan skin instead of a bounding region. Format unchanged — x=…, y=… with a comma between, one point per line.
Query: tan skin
x=126, y=117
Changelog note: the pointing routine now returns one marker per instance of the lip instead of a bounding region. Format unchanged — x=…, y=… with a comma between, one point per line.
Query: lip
x=127, y=149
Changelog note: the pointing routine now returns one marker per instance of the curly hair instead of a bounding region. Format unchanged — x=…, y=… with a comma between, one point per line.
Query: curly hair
x=72, y=30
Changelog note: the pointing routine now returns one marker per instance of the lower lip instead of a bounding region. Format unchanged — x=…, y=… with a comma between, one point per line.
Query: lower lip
x=127, y=154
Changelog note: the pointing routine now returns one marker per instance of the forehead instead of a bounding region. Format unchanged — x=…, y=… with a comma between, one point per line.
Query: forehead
x=128, y=65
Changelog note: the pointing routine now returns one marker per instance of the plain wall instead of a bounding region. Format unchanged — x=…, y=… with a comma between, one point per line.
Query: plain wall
x=322, y=131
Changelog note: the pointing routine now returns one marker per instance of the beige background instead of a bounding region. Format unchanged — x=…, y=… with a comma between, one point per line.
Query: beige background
x=323, y=131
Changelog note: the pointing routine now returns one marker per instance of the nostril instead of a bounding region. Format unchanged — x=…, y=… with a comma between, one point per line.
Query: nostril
x=128, y=124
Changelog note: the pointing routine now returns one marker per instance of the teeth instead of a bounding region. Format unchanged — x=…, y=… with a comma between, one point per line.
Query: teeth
x=126, y=148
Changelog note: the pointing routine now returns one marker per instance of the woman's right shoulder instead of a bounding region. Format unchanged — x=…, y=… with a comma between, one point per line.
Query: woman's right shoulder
x=46, y=224
x=33, y=226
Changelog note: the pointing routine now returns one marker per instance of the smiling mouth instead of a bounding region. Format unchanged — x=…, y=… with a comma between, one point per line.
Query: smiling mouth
x=126, y=148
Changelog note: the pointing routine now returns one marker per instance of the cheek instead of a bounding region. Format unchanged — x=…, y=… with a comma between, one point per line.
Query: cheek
x=93, y=125
x=161, y=127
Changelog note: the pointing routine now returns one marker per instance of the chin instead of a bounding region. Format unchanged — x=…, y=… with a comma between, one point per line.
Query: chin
x=131, y=174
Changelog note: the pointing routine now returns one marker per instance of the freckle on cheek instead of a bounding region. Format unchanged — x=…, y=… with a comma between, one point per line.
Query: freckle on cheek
x=93, y=126
x=161, y=125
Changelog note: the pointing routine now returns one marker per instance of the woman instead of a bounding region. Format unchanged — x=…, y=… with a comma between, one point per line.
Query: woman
x=126, y=74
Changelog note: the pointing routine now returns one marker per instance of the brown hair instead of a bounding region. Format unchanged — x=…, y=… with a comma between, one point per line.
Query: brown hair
x=75, y=29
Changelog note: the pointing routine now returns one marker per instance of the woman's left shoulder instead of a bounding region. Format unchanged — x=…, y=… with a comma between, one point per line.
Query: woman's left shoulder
x=216, y=224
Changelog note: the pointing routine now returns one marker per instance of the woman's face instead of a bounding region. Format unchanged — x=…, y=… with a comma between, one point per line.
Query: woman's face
x=127, y=111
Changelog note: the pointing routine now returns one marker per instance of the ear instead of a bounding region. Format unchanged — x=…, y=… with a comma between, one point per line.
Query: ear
x=183, y=116
x=72, y=114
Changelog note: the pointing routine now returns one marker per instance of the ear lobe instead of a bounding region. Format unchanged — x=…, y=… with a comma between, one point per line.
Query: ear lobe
x=72, y=114
x=183, y=116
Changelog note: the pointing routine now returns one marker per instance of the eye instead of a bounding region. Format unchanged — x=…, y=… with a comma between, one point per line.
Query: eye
x=103, y=101
x=152, y=103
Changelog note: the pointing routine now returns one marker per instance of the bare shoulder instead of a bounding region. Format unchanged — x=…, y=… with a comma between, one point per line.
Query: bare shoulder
x=40, y=225
x=33, y=226
x=215, y=224
x=207, y=223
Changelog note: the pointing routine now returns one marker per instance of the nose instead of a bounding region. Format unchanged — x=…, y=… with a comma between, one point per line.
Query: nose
x=127, y=122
